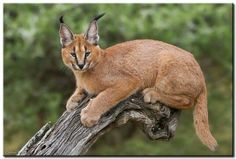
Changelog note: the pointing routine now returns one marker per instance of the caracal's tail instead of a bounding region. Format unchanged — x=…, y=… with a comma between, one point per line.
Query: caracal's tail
x=200, y=116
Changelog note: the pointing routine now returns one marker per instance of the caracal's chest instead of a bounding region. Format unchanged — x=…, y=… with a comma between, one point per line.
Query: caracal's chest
x=91, y=82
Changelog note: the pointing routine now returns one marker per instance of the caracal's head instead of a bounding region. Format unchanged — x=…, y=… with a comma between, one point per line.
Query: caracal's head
x=80, y=52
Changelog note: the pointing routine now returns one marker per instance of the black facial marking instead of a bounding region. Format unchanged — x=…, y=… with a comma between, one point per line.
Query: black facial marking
x=74, y=55
x=87, y=53
x=76, y=60
x=84, y=59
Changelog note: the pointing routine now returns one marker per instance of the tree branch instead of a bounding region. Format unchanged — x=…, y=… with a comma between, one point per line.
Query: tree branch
x=69, y=137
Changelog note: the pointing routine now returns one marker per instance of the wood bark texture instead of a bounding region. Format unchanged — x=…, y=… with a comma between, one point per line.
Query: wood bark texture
x=68, y=137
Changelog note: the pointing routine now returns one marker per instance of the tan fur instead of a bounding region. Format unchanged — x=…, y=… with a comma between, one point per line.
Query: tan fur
x=163, y=72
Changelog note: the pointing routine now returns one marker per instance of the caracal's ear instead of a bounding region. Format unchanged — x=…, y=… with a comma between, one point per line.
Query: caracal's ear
x=66, y=35
x=91, y=34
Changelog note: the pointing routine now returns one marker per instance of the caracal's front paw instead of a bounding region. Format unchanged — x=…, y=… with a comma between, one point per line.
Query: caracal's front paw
x=150, y=95
x=70, y=105
x=88, y=118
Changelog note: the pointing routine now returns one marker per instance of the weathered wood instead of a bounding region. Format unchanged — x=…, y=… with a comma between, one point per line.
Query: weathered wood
x=69, y=137
x=36, y=138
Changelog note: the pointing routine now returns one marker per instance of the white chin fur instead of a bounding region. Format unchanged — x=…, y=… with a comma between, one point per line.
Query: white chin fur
x=86, y=66
x=75, y=67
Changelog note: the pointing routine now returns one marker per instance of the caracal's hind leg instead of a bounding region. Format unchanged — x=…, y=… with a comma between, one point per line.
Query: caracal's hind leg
x=166, y=123
x=152, y=95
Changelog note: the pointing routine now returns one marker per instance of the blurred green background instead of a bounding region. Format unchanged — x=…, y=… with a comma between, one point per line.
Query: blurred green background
x=37, y=84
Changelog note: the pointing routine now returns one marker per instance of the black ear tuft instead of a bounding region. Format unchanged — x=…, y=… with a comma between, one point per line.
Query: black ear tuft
x=61, y=19
x=91, y=34
x=99, y=16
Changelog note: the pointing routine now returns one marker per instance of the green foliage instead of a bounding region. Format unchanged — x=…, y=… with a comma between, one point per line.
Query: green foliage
x=37, y=84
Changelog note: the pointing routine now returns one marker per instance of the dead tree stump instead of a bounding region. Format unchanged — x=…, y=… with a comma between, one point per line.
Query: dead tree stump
x=68, y=137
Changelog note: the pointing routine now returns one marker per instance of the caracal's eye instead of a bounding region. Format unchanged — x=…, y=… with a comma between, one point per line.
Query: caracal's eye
x=73, y=54
x=87, y=53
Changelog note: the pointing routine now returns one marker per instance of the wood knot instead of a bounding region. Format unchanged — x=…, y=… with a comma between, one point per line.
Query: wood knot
x=43, y=147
